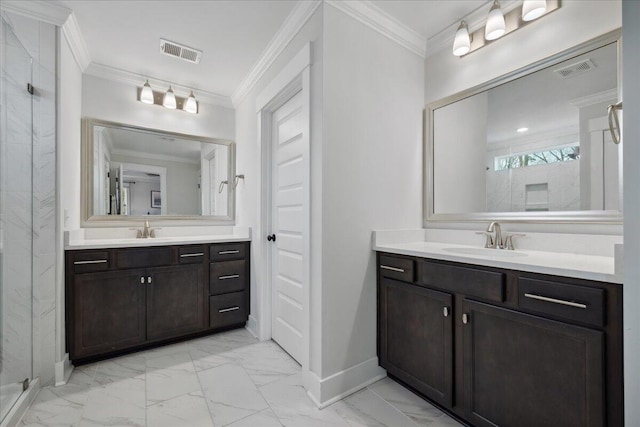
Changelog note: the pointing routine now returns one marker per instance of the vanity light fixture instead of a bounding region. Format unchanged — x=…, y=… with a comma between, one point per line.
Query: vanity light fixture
x=146, y=95
x=191, y=105
x=496, y=26
x=169, y=100
x=500, y=23
x=533, y=9
x=462, y=41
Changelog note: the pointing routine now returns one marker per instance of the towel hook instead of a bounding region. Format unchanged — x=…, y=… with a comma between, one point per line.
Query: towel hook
x=222, y=184
x=238, y=178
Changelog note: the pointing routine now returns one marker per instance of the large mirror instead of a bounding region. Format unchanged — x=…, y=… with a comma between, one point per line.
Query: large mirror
x=132, y=173
x=534, y=145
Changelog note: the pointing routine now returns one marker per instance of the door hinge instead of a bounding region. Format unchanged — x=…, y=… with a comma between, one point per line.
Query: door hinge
x=30, y=88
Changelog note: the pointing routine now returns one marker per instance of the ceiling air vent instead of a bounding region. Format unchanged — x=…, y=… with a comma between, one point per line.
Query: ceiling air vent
x=575, y=69
x=178, y=50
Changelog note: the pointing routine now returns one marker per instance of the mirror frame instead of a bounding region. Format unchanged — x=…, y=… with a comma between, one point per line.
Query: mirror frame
x=586, y=216
x=88, y=219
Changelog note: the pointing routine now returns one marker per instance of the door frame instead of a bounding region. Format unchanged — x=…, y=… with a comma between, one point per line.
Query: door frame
x=292, y=79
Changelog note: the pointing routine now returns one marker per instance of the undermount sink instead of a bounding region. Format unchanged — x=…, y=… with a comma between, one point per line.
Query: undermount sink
x=500, y=253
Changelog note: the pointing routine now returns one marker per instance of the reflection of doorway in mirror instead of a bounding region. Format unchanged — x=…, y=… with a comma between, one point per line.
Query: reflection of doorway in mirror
x=138, y=181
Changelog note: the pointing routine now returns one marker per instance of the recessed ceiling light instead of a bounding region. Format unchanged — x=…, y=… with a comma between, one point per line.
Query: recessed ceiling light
x=522, y=130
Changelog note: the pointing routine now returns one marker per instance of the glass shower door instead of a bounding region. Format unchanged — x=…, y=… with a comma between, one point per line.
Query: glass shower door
x=16, y=220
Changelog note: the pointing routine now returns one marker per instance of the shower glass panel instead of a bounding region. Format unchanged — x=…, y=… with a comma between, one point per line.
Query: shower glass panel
x=16, y=220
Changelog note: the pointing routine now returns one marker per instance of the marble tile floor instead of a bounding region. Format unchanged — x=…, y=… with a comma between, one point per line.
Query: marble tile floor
x=228, y=379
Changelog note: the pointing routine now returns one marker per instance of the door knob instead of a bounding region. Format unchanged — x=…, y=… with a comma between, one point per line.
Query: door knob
x=271, y=237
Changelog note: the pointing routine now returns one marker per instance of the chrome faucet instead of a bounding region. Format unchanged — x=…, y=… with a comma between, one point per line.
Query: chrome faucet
x=497, y=238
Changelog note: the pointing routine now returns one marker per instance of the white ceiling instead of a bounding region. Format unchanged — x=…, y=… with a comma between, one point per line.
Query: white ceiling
x=125, y=34
x=428, y=17
x=232, y=34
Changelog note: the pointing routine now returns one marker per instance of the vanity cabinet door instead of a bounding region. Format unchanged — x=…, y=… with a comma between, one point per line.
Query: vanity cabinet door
x=175, y=300
x=525, y=371
x=415, y=328
x=108, y=312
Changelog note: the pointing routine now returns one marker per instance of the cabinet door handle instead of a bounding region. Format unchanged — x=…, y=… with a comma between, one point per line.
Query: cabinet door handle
x=190, y=255
x=228, y=252
x=149, y=279
x=386, y=267
x=225, y=310
x=465, y=318
x=445, y=311
x=96, y=261
x=231, y=276
x=142, y=280
x=556, y=301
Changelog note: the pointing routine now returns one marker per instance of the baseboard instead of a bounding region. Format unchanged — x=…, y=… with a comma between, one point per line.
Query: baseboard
x=252, y=325
x=21, y=406
x=63, y=370
x=323, y=392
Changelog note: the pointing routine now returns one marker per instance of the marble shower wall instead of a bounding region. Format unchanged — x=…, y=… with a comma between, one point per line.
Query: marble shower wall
x=15, y=211
x=40, y=40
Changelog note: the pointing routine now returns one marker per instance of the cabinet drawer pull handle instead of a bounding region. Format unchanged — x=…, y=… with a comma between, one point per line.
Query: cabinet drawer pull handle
x=225, y=310
x=190, y=255
x=386, y=267
x=228, y=252
x=556, y=301
x=97, y=261
x=465, y=318
x=149, y=279
x=231, y=276
x=445, y=311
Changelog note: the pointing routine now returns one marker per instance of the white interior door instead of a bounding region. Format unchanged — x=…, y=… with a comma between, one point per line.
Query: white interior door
x=289, y=181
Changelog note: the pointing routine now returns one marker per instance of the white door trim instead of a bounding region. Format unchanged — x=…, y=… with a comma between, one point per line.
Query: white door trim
x=293, y=78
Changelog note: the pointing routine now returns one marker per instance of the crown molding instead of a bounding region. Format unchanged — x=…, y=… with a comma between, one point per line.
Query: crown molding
x=595, y=98
x=72, y=33
x=45, y=11
x=137, y=80
x=371, y=15
x=294, y=22
x=475, y=20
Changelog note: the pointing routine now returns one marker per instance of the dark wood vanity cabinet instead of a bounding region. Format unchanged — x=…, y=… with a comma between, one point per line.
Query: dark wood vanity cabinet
x=502, y=348
x=125, y=299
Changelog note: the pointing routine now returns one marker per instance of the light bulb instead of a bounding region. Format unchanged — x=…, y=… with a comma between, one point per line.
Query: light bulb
x=495, y=23
x=169, y=99
x=533, y=9
x=462, y=41
x=190, y=105
x=146, y=95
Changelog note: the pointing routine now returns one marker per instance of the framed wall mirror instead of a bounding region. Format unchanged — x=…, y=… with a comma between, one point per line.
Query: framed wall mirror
x=132, y=174
x=533, y=145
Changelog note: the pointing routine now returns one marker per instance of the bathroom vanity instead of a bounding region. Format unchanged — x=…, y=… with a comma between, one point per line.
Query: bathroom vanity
x=502, y=347
x=121, y=298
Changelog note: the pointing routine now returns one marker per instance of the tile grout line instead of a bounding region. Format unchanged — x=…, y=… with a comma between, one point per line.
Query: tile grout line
x=204, y=396
x=393, y=406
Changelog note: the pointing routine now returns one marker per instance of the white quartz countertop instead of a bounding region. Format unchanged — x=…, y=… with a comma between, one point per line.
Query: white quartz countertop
x=90, y=239
x=590, y=267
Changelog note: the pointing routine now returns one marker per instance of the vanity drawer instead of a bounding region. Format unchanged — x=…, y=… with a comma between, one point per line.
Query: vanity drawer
x=226, y=310
x=397, y=268
x=144, y=257
x=572, y=302
x=85, y=262
x=191, y=254
x=488, y=285
x=227, y=251
x=226, y=276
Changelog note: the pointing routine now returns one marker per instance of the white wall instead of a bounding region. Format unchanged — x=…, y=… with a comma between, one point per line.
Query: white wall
x=631, y=96
x=371, y=175
x=248, y=163
x=68, y=170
